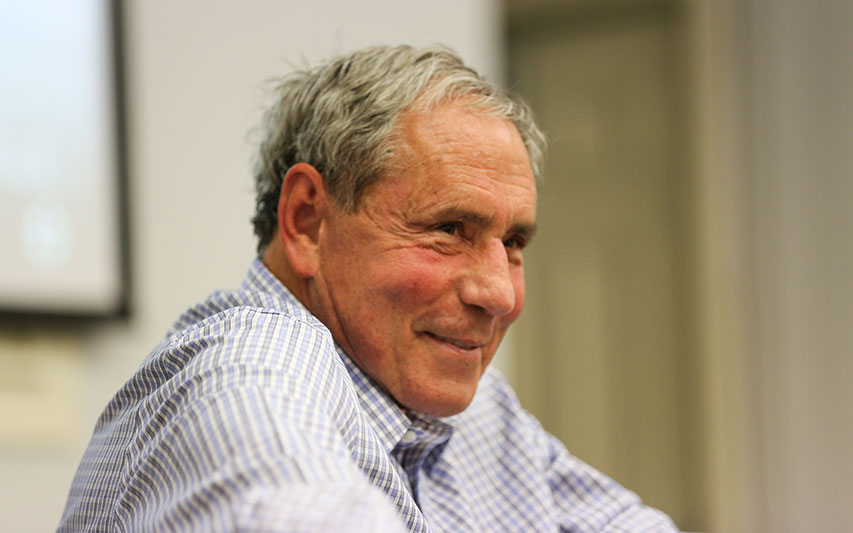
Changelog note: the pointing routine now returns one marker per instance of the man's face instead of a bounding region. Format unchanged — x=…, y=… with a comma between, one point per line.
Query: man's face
x=420, y=285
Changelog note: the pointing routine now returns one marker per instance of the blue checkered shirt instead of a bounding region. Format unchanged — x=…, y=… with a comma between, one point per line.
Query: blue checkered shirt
x=248, y=417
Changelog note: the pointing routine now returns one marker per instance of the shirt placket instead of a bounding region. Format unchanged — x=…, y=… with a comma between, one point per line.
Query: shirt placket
x=419, y=445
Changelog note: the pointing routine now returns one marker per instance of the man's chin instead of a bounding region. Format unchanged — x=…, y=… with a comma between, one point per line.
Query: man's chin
x=438, y=403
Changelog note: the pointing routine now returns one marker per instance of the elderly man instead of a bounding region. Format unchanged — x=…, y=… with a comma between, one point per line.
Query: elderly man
x=345, y=386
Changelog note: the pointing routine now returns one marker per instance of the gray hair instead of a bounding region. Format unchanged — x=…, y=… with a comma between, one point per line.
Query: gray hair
x=340, y=117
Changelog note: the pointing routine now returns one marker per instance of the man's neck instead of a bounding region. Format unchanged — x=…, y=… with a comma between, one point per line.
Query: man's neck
x=275, y=259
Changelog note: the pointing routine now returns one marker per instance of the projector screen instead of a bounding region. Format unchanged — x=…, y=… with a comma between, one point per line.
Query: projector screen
x=61, y=180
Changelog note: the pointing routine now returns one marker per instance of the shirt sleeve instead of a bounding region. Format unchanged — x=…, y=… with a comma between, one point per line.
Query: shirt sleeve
x=588, y=501
x=250, y=458
x=317, y=507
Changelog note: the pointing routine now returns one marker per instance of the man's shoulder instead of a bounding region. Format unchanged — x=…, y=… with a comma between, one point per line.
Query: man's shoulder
x=250, y=302
x=244, y=329
x=265, y=352
x=238, y=373
x=243, y=313
x=232, y=341
x=261, y=296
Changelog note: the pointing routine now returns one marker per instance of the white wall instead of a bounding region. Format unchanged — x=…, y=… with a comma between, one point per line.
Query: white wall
x=195, y=82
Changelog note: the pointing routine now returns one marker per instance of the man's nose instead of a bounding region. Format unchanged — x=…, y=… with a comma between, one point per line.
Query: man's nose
x=487, y=283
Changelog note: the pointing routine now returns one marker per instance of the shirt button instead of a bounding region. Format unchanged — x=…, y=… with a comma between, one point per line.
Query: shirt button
x=409, y=437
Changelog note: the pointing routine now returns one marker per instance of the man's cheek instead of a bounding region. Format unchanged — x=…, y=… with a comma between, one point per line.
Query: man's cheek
x=414, y=278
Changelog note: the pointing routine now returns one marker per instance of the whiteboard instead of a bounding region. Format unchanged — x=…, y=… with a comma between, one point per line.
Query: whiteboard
x=62, y=221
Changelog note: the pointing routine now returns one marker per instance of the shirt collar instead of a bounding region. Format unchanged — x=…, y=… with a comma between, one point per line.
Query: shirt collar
x=260, y=281
x=388, y=419
x=394, y=425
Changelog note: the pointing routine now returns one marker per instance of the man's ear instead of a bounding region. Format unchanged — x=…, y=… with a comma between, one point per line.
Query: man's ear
x=302, y=206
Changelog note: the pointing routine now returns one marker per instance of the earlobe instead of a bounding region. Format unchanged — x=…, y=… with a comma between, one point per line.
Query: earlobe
x=301, y=209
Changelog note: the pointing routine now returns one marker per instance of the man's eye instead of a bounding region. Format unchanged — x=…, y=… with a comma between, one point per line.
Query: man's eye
x=451, y=228
x=515, y=243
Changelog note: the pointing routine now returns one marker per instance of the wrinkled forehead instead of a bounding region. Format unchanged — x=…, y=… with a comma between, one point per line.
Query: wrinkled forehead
x=454, y=156
x=456, y=130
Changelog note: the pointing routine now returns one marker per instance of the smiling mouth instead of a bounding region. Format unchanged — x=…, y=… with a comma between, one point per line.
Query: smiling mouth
x=455, y=342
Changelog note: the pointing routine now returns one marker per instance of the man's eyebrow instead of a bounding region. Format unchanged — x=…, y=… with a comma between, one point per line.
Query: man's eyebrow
x=455, y=212
x=524, y=229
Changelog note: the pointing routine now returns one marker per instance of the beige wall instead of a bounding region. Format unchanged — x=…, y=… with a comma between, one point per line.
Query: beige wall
x=759, y=400
x=606, y=338
x=196, y=72
x=775, y=119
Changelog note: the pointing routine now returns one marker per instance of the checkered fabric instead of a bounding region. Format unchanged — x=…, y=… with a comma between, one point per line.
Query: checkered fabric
x=248, y=417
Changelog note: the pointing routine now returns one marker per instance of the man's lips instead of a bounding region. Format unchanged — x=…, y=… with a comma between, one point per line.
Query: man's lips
x=459, y=343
